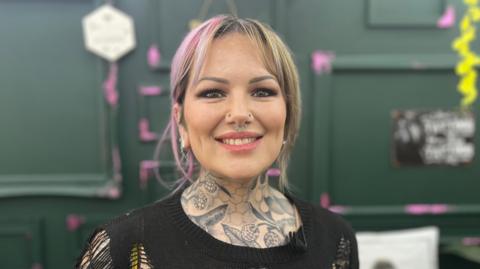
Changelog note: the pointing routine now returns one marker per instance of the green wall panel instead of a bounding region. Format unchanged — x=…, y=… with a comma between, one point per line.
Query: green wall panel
x=57, y=133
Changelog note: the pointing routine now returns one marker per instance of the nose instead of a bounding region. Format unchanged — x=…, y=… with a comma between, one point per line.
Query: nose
x=239, y=112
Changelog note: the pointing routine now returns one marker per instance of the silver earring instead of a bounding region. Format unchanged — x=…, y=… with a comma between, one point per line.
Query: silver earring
x=182, y=144
x=240, y=127
x=284, y=142
x=183, y=153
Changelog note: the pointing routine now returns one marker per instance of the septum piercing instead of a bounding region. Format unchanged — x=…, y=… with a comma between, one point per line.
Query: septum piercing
x=240, y=127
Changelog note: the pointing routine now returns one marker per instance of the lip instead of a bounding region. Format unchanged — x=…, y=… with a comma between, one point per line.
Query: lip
x=239, y=135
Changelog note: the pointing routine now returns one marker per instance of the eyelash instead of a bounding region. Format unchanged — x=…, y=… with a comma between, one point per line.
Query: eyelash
x=217, y=93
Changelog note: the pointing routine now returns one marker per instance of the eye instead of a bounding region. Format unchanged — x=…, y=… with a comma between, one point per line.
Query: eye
x=211, y=93
x=263, y=92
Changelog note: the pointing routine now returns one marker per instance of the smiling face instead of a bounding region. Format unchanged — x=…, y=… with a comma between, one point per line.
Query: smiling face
x=234, y=115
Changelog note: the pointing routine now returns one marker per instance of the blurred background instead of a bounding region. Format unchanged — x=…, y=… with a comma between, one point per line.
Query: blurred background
x=385, y=140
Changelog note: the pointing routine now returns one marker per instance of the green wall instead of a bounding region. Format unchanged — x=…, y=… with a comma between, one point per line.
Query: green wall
x=57, y=134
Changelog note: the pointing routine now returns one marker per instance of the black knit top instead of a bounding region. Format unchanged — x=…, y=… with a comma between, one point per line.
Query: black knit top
x=161, y=235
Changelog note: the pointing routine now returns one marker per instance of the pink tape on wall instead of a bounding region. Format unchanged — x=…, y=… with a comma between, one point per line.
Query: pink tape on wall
x=37, y=266
x=74, y=222
x=447, y=20
x=117, y=163
x=153, y=56
x=338, y=209
x=322, y=61
x=110, y=85
x=325, y=200
x=471, y=241
x=423, y=209
x=144, y=131
x=146, y=166
x=150, y=90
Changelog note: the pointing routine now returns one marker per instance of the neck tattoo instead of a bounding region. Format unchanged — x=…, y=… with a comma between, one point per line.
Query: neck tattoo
x=249, y=214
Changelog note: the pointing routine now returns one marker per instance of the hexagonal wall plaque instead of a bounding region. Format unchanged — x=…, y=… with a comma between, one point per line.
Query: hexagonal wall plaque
x=108, y=32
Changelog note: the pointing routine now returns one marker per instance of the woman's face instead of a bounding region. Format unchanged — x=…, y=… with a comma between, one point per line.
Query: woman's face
x=234, y=116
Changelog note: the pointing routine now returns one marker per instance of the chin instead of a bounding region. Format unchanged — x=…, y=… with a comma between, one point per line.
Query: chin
x=241, y=176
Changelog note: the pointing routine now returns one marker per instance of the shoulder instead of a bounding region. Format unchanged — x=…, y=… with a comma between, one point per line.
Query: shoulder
x=331, y=221
x=131, y=225
x=112, y=242
x=335, y=236
x=327, y=228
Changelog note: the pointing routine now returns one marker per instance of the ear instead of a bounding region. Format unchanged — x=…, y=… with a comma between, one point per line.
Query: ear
x=177, y=114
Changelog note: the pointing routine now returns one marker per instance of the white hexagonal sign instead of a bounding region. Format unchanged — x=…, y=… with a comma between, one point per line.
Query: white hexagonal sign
x=108, y=32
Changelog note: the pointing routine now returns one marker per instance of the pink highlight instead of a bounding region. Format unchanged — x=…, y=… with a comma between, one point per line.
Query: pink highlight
x=144, y=131
x=113, y=192
x=273, y=172
x=447, y=20
x=153, y=56
x=117, y=163
x=325, y=200
x=471, y=241
x=110, y=84
x=322, y=61
x=74, y=222
x=338, y=209
x=424, y=209
x=37, y=266
x=146, y=166
x=150, y=90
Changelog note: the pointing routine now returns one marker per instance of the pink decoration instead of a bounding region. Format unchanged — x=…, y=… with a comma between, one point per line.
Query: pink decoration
x=422, y=209
x=144, y=129
x=37, y=266
x=471, y=241
x=448, y=18
x=338, y=209
x=113, y=192
x=145, y=167
x=117, y=164
x=273, y=172
x=74, y=221
x=150, y=90
x=153, y=56
x=110, y=85
x=322, y=61
x=325, y=200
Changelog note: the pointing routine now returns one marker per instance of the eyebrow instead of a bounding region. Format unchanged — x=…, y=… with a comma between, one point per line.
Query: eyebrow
x=224, y=81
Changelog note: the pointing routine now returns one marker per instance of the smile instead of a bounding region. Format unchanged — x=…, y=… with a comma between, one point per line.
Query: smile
x=239, y=142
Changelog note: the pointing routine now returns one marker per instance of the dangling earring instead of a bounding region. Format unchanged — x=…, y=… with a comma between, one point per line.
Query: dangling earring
x=182, y=150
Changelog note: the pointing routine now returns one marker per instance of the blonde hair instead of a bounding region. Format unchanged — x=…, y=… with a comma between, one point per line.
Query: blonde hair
x=277, y=58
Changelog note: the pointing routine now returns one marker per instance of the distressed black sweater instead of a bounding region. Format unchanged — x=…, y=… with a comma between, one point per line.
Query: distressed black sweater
x=161, y=235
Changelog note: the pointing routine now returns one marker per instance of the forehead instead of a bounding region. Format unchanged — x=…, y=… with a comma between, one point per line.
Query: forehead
x=232, y=51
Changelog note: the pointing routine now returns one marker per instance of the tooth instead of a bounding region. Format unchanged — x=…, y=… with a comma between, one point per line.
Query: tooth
x=238, y=141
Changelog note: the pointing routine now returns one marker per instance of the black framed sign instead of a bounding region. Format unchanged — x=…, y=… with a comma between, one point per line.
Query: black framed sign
x=433, y=137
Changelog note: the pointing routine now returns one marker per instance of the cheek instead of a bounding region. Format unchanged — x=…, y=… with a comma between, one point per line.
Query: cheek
x=275, y=119
x=200, y=121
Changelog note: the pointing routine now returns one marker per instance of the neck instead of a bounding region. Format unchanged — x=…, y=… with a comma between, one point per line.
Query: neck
x=249, y=213
x=230, y=192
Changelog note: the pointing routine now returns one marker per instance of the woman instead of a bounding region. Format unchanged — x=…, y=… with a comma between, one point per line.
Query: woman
x=235, y=110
